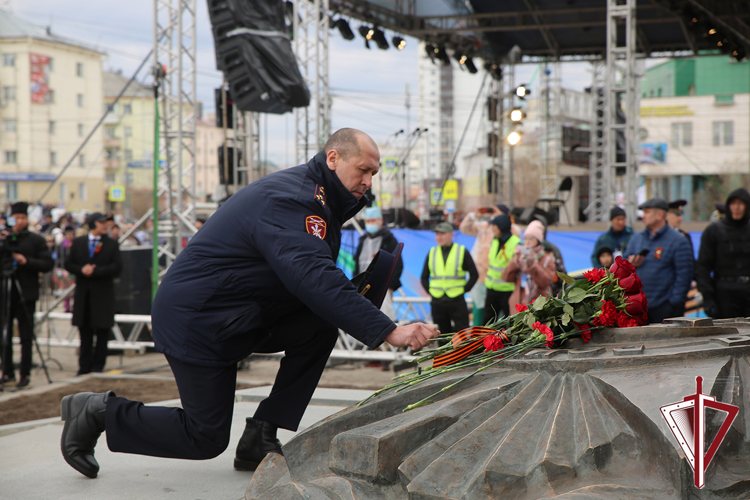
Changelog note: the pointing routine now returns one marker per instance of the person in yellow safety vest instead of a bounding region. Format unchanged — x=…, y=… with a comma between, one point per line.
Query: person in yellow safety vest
x=444, y=277
x=501, y=252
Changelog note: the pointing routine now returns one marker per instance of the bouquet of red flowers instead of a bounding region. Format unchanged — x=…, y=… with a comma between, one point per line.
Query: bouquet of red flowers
x=603, y=298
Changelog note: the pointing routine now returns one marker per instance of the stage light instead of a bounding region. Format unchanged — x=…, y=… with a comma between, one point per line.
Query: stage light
x=712, y=31
x=495, y=71
x=517, y=115
x=522, y=91
x=514, y=138
x=344, y=29
x=442, y=55
x=379, y=37
x=364, y=31
x=399, y=42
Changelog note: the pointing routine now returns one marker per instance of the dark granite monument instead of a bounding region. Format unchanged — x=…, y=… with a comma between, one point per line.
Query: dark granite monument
x=582, y=422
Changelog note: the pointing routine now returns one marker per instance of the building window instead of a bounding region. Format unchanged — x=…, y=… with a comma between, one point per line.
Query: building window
x=109, y=132
x=51, y=96
x=723, y=133
x=127, y=131
x=80, y=100
x=11, y=157
x=11, y=191
x=81, y=161
x=128, y=154
x=682, y=134
x=9, y=125
x=63, y=192
x=127, y=109
x=52, y=127
x=110, y=178
x=79, y=69
x=80, y=130
x=9, y=59
x=9, y=93
x=51, y=64
x=82, y=192
x=52, y=158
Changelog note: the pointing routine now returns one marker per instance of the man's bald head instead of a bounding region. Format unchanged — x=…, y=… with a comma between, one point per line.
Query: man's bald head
x=348, y=142
x=354, y=157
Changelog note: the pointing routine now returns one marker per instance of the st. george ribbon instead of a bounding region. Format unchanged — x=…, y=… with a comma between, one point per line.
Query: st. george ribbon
x=687, y=421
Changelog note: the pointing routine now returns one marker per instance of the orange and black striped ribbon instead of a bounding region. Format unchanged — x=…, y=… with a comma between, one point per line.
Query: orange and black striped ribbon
x=464, y=351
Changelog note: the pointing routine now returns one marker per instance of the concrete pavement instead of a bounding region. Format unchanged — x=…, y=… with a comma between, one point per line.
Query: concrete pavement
x=32, y=466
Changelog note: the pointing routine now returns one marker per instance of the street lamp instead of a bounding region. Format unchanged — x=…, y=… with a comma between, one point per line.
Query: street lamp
x=522, y=91
x=514, y=138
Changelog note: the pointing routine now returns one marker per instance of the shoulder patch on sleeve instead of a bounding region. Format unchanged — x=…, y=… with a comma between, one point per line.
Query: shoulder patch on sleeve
x=316, y=226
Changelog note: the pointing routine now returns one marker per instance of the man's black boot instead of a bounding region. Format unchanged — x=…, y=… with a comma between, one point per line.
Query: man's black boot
x=83, y=414
x=258, y=440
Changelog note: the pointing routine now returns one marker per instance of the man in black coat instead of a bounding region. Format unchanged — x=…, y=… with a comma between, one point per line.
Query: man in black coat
x=723, y=267
x=31, y=256
x=94, y=259
x=260, y=276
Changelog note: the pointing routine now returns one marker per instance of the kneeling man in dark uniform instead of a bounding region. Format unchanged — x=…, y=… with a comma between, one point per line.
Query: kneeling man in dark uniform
x=260, y=276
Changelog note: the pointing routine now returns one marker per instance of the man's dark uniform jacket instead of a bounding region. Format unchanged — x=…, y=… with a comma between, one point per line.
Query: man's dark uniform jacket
x=268, y=252
x=39, y=260
x=99, y=288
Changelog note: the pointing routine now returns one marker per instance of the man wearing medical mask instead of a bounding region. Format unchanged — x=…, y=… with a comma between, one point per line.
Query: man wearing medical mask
x=377, y=237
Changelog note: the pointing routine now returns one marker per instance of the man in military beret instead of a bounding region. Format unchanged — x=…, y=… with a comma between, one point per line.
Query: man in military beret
x=663, y=260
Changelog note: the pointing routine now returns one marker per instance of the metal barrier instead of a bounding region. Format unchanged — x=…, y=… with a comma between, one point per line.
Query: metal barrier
x=347, y=347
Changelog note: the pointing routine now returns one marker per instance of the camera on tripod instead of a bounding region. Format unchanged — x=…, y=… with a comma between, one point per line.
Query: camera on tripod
x=8, y=246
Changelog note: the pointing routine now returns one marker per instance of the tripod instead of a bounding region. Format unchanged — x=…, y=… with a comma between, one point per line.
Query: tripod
x=7, y=282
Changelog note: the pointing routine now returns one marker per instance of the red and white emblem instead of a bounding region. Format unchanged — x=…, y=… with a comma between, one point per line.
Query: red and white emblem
x=316, y=226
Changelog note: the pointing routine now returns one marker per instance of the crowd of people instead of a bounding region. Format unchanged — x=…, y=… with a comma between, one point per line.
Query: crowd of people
x=81, y=249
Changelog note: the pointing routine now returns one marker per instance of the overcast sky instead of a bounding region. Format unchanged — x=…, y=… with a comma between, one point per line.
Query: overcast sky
x=367, y=86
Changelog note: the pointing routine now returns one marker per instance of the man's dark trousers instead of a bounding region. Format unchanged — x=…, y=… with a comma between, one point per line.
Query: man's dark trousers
x=24, y=312
x=200, y=429
x=86, y=362
x=450, y=314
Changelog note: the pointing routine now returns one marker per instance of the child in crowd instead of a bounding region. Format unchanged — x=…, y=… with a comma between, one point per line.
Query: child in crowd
x=604, y=256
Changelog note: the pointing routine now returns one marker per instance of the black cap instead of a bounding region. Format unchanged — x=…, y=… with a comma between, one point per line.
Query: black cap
x=373, y=283
x=19, y=207
x=503, y=208
x=603, y=249
x=92, y=219
x=720, y=208
x=110, y=216
x=502, y=222
x=675, y=206
x=616, y=212
x=654, y=203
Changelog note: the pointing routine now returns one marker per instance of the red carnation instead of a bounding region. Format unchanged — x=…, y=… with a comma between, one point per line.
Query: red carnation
x=545, y=330
x=595, y=275
x=626, y=321
x=637, y=304
x=492, y=343
x=521, y=308
x=585, y=331
x=631, y=284
x=621, y=268
x=607, y=316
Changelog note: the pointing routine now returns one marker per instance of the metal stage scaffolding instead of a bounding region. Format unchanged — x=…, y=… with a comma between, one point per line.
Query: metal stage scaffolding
x=175, y=73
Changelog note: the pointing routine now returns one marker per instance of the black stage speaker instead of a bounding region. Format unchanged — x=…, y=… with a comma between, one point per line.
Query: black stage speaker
x=253, y=49
x=226, y=169
x=133, y=287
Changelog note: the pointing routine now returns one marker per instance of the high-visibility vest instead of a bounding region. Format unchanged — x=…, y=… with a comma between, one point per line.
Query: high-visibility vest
x=447, y=277
x=499, y=258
